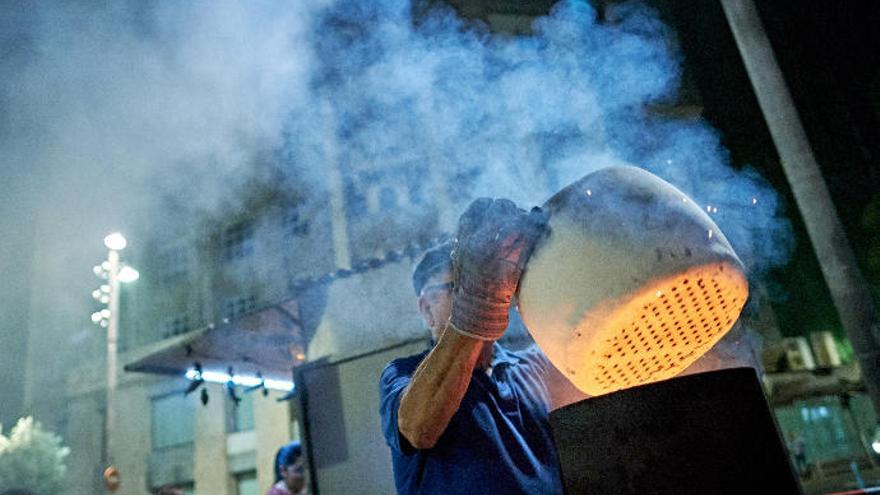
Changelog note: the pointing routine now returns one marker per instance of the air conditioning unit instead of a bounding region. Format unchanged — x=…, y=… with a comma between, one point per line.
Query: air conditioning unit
x=824, y=349
x=798, y=354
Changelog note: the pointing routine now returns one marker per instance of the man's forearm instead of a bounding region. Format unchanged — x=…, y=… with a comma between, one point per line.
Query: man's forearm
x=437, y=387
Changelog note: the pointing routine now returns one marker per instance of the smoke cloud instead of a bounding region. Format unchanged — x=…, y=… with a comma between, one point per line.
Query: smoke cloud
x=520, y=117
x=134, y=95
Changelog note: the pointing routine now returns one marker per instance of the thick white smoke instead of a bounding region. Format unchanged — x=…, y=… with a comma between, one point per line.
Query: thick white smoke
x=188, y=96
x=520, y=117
x=102, y=105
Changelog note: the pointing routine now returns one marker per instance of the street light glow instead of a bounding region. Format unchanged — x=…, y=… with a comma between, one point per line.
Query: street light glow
x=128, y=274
x=115, y=241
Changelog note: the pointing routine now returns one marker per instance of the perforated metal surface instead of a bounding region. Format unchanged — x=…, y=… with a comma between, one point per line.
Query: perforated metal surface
x=662, y=330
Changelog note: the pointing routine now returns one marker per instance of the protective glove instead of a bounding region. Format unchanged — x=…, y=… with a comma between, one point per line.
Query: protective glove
x=494, y=242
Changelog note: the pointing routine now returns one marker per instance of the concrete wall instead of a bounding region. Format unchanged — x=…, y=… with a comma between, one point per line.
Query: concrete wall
x=84, y=436
x=368, y=311
x=211, y=462
x=272, y=427
x=130, y=440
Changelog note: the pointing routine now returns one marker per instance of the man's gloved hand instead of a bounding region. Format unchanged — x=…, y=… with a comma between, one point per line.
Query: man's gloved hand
x=494, y=241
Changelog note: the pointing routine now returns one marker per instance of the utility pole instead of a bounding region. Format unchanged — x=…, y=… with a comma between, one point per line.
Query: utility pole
x=114, y=271
x=848, y=287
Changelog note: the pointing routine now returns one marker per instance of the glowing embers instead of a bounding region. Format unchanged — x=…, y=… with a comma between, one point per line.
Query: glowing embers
x=657, y=333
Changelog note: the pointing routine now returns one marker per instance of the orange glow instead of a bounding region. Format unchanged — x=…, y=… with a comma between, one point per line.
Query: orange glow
x=658, y=332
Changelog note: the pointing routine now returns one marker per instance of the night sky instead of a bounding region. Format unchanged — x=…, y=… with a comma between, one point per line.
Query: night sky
x=830, y=55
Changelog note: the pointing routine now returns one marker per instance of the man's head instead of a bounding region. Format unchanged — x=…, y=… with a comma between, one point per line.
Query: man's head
x=289, y=466
x=432, y=281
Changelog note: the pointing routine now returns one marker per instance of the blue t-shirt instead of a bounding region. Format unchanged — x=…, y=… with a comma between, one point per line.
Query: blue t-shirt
x=498, y=442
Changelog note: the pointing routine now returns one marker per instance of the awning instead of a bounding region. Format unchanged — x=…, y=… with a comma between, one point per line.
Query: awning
x=269, y=341
x=274, y=339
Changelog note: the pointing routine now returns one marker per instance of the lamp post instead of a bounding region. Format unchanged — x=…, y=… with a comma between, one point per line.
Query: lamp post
x=114, y=272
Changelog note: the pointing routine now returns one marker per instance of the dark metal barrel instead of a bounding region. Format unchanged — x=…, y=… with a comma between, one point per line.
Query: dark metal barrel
x=709, y=434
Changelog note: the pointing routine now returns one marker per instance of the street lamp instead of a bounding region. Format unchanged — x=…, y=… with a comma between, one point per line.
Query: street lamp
x=114, y=272
x=128, y=274
x=115, y=241
x=875, y=442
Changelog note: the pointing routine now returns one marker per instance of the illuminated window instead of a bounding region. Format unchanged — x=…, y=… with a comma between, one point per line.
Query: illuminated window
x=172, y=421
x=825, y=427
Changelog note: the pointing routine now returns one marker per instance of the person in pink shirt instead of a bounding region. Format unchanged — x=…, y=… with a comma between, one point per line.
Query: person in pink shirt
x=289, y=471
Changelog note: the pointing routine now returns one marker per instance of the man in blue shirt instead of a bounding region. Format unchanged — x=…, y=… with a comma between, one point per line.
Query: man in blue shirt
x=469, y=416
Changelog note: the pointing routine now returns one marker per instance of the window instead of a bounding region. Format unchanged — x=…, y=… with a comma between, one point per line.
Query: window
x=387, y=199
x=241, y=417
x=824, y=426
x=355, y=201
x=246, y=484
x=371, y=192
x=385, y=196
x=174, y=262
x=295, y=223
x=176, y=490
x=239, y=306
x=172, y=421
x=238, y=241
x=415, y=189
x=175, y=326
